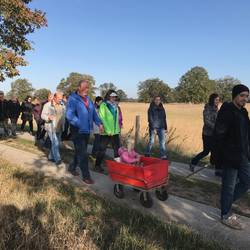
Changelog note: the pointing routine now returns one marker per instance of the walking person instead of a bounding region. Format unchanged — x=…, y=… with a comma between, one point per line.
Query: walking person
x=53, y=114
x=109, y=115
x=157, y=126
x=27, y=115
x=37, y=112
x=4, y=114
x=209, y=117
x=14, y=112
x=81, y=114
x=232, y=144
x=96, y=130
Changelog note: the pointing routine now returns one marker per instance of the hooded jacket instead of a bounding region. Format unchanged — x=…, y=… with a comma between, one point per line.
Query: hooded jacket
x=209, y=118
x=157, y=117
x=4, y=110
x=231, y=143
x=79, y=116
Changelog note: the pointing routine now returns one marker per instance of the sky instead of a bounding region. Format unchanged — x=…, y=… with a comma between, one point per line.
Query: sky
x=128, y=41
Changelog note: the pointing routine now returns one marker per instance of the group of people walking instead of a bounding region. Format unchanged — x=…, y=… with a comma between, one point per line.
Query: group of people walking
x=226, y=134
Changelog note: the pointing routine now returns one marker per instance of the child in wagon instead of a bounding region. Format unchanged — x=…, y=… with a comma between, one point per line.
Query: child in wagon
x=129, y=155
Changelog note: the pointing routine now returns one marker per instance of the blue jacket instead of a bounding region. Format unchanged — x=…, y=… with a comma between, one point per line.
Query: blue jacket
x=79, y=116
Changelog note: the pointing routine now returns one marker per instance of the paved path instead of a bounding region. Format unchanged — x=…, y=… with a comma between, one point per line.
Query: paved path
x=201, y=218
x=175, y=167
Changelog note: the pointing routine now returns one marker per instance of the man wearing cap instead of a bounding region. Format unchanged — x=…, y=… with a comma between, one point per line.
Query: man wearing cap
x=3, y=114
x=232, y=144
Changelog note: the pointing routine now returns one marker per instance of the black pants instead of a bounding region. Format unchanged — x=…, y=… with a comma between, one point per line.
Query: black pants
x=30, y=125
x=96, y=144
x=81, y=155
x=207, y=147
x=40, y=134
x=104, y=141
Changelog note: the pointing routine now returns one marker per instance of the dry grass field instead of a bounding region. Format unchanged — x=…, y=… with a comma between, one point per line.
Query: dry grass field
x=185, y=118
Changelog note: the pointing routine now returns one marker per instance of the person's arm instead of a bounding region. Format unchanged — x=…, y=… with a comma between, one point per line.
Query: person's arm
x=45, y=113
x=165, y=120
x=71, y=112
x=150, y=118
x=96, y=118
x=208, y=121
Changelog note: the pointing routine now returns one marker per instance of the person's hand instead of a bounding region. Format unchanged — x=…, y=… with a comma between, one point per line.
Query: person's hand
x=101, y=128
x=50, y=117
x=155, y=131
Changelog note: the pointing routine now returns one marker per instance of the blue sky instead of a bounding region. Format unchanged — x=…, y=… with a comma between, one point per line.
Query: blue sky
x=127, y=41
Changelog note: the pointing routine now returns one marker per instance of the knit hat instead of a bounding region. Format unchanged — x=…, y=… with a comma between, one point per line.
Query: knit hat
x=239, y=89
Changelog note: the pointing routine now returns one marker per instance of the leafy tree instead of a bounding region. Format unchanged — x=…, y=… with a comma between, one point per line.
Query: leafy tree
x=103, y=88
x=42, y=94
x=150, y=88
x=195, y=86
x=21, y=88
x=122, y=95
x=17, y=21
x=224, y=86
x=69, y=84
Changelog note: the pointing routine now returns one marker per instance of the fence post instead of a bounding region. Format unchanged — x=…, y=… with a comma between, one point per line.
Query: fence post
x=137, y=130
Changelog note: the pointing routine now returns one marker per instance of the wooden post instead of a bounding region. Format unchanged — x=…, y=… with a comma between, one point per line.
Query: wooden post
x=137, y=130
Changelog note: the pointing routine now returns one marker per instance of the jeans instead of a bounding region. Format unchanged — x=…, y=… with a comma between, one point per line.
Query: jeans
x=81, y=155
x=162, y=141
x=104, y=141
x=13, y=122
x=235, y=183
x=54, y=153
x=207, y=146
x=96, y=144
x=30, y=125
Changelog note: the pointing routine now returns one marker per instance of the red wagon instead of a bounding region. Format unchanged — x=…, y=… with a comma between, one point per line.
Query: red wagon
x=153, y=175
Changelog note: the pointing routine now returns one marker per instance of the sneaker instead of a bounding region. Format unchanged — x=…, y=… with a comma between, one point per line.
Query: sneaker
x=191, y=167
x=52, y=160
x=58, y=162
x=88, y=181
x=147, y=155
x=164, y=158
x=74, y=172
x=232, y=222
x=99, y=169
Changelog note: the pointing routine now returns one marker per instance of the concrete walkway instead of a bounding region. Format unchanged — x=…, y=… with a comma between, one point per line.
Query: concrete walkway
x=201, y=218
x=176, y=168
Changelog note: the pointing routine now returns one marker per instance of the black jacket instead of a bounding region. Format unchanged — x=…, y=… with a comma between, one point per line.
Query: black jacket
x=14, y=109
x=229, y=148
x=27, y=109
x=4, y=110
x=157, y=117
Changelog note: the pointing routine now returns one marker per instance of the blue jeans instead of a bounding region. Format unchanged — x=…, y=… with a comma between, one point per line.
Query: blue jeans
x=162, y=141
x=235, y=183
x=81, y=155
x=54, y=153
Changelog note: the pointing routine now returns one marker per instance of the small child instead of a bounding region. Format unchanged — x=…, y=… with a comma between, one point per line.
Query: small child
x=129, y=155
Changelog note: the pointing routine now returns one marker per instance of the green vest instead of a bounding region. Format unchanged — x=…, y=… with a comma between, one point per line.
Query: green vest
x=110, y=124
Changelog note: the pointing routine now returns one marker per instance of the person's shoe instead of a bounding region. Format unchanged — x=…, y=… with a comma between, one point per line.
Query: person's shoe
x=232, y=222
x=52, y=160
x=88, y=181
x=58, y=162
x=191, y=167
x=164, y=158
x=99, y=169
x=74, y=172
x=218, y=173
x=147, y=155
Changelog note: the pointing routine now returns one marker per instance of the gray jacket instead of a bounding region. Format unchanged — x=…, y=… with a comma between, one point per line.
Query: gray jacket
x=209, y=117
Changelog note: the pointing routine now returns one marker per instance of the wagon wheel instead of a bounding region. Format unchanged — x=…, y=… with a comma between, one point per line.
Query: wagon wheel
x=146, y=199
x=161, y=194
x=119, y=191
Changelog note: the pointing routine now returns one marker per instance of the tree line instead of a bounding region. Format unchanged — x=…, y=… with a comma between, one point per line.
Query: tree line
x=194, y=86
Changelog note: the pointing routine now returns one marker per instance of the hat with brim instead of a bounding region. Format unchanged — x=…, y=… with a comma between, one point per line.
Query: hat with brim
x=113, y=95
